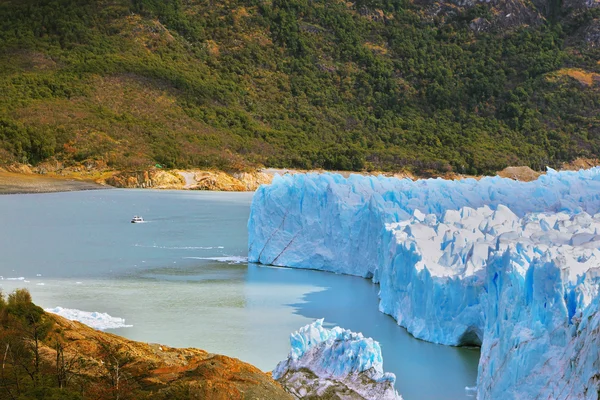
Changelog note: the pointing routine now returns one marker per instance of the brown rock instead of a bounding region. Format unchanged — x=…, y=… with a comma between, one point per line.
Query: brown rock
x=19, y=168
x=164, y=372
x=581, y=163
x=524, y=174
x=155, y=178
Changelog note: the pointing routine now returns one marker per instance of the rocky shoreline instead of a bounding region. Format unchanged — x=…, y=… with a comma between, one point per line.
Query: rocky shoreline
x=56, y=177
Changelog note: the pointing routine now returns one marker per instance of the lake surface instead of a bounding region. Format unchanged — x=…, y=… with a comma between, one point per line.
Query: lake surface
x=181, y=279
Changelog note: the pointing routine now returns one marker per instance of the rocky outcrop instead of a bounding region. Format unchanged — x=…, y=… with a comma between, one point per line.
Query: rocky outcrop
x=160, y=371
x=504, y=15
x=19, y=168
x=579, y=4
x=191, y=180
x=54, y=167
x=155, y=178
x=222, y=181
x=580, y=163
x=253, y=180
x=524, y=174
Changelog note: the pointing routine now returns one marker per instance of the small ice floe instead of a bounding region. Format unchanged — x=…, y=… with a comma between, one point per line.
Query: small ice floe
x=224, y=259
x=21, y=278
x=41, y=284
x=96, y=320
x=471, y=391
x=38, y=275
x=155, y=246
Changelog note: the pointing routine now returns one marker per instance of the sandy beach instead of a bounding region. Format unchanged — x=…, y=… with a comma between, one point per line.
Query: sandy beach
x=15, y=183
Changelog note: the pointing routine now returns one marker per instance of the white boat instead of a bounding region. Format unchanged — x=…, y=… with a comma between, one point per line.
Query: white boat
x=137, y=220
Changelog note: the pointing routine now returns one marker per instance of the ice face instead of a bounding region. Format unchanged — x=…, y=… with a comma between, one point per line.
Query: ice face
x=381, y=227
x=327, y=222
x=334, y=360
x=541, y=335
x=433, y=273
x=493, y=262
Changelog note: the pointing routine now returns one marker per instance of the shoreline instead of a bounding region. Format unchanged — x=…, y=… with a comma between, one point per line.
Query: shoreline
x=19, y=183
x=21, y=179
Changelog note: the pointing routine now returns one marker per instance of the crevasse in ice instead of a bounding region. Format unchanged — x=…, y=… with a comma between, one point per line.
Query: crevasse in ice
x=456, y=260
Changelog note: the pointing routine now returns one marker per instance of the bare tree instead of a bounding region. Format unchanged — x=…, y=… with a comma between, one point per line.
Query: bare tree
x=117, y=363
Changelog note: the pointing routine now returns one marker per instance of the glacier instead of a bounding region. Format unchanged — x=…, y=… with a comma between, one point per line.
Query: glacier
x=332, y=223
x=541, y=337
x=511, y=266
x=334, y=363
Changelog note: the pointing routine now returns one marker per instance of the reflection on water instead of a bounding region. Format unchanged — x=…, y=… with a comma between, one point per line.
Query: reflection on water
x=165, y=279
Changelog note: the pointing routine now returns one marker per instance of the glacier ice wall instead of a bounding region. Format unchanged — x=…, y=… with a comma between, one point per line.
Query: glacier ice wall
x=433, y=273
x=327, y=362
x=456, y=260
x=327, y=222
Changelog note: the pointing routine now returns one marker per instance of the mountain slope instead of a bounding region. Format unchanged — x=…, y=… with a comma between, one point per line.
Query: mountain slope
x=371, y=84
x=46, y=356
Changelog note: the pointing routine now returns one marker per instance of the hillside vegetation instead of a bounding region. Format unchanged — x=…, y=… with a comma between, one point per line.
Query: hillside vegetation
x=234, y=84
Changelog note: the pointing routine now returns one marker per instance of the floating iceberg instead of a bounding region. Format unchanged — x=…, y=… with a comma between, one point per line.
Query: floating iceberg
x=335, y=363
x=96, y=320
x=507, y=265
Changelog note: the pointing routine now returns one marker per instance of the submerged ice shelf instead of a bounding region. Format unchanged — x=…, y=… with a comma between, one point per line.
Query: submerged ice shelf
x=456, y=260
x=335, y=362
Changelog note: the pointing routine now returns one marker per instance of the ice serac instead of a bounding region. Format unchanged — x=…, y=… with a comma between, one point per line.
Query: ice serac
x=334, y=363
x=542, y=329
x=434, y=273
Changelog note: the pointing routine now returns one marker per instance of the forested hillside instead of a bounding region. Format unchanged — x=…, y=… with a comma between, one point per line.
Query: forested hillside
x=233, y=84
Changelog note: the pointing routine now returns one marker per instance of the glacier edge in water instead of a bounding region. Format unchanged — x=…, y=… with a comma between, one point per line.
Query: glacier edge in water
x=507, y=265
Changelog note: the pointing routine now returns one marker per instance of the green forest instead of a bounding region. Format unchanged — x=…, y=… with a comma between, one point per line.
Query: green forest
x=236, y=84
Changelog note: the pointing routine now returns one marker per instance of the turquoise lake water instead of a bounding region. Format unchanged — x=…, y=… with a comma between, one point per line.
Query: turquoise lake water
x=181, y=279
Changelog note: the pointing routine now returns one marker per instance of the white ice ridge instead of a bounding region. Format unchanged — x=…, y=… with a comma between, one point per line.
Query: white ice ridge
x=326, y=362
x=443, y=252
x=96, y=320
